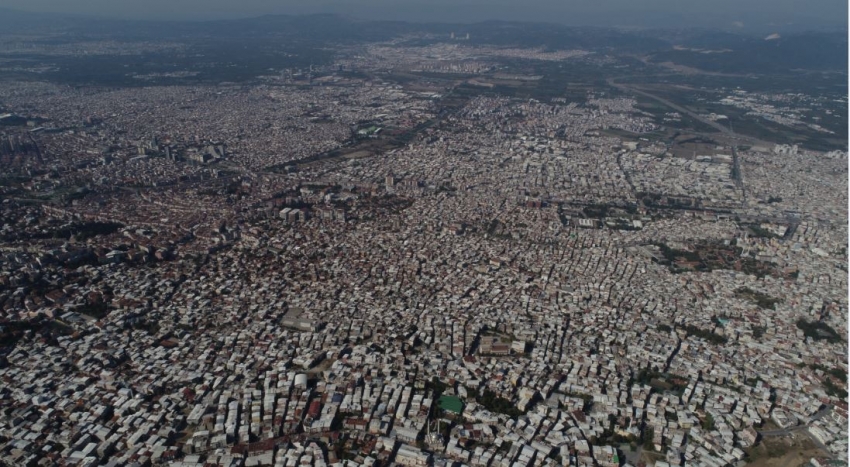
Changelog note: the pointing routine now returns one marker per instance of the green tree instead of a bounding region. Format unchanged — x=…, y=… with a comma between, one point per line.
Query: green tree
x=708, y=422
x=648, y=435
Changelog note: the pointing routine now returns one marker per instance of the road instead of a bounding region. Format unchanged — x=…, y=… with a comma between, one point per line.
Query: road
x=787, y=431
x=736, y=172
x=721, y=128
x=817, y=416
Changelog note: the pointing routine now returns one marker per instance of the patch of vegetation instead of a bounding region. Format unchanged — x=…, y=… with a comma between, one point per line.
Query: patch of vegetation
x=704, y=334
x=96, y=310
x=735, y=173
x=564, y=221
x=836, y=373
x=758, y=231
x=764, y=301
x=757, y=268
x=673, y=254
x=437, y=386
x=587, y=398
x=834, y=390
x=646, y=439
x=610, y=438
x=818, y=330
x=497, y=229
x=505, y=447
x=829, y=384
x=81, y=230
x=596, y=211
x=708, y=422
x=649, y=199
x=151, y=327
x=661, y=381
x=644, y=376
x=497, y=404
x=13, y=331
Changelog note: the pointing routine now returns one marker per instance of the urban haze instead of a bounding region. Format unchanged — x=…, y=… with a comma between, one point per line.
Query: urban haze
x=413, y=233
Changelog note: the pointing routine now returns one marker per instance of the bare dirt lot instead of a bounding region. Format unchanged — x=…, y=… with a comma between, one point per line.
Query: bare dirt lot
x=783, y=452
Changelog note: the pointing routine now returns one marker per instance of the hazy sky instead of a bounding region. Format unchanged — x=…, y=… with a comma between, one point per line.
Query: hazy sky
x=671, y=13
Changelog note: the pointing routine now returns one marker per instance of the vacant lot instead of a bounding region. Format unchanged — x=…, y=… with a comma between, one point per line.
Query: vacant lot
x=783, y=452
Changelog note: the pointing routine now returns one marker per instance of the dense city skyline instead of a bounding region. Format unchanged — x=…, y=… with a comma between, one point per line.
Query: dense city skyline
x=323, y=241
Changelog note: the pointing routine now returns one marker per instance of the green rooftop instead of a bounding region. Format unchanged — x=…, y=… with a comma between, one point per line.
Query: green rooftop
x=451, y=404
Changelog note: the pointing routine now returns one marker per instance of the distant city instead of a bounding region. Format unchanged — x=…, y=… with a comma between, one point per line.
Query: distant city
x=318, y=241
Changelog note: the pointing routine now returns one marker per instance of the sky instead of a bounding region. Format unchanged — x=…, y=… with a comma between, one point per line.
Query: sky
x=641, y=13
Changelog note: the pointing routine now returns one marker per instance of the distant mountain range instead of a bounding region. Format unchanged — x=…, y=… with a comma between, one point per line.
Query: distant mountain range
x=751, y=16
x=711, y=50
